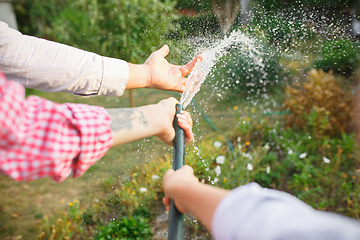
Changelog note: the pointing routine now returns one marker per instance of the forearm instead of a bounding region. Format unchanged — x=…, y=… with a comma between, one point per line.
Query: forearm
x=132, y=124
x=200, y=200
x=50, y=66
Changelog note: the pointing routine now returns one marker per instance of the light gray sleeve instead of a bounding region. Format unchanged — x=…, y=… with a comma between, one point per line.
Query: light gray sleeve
x=52, y=67
x=255, y=213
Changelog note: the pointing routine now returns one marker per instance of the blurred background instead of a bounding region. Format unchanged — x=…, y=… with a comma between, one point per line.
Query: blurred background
x=278, y=108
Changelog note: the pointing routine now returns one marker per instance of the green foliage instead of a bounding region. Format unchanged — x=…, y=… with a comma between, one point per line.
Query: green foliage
x=217, y=166
x=320, y=172
x=136, y=227
x=141, y=191
x=130, y=30
x=35, y=16
x=197, y=5
x=253, y=69
x=136, y=28
x=276, y=4
x=202, y=25
x=65, y=225
x=339, y=55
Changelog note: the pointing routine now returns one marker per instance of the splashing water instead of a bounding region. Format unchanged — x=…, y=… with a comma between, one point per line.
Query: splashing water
x=210, y=57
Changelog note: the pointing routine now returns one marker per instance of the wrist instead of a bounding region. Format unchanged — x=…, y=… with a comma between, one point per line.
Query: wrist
x=147, y=71
x=139, y=76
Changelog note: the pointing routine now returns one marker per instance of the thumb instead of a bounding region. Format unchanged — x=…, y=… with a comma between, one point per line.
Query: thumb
x=164, y=51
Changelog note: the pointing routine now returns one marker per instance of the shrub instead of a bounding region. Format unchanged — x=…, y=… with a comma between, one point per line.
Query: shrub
x=64, y=225
x=253, y=69
x=320, y=106
x=136, y=227
x=129, y=30
x=321, y=172
x=339, y=55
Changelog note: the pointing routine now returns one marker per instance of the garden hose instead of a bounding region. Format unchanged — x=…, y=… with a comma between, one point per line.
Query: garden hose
x=176, y=222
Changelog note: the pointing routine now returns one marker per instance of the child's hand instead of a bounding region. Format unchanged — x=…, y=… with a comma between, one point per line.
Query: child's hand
x=167, y=133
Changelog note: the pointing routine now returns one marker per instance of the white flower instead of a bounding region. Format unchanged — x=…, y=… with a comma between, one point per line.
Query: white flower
x=238, y=139
x=142, y=190
x=325, y=159
x=216, y=180
x=218, y=170
x=290, y=151
x=155, y=177
x=247, y=155
x=268, y=169
x=303, y=155
x=220, y=159
x=217, y=144
x=250, y=167
x=267, y=146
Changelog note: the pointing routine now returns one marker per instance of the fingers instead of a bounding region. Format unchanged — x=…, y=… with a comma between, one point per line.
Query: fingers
x=186, y=69
x=166, y=201
x=187, y=169
x=164, y=51
x=185, y=122
x=169, y=104
x=168, y=173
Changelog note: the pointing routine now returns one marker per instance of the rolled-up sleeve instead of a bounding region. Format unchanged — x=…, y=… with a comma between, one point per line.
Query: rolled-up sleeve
x=39, y=138
x=252, y=212
x=53, y=67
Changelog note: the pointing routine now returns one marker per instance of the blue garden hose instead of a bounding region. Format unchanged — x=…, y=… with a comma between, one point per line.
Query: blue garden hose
x=176, y=222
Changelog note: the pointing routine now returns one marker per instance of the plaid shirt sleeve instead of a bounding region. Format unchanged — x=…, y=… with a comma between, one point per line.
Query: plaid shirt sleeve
x=40, y=138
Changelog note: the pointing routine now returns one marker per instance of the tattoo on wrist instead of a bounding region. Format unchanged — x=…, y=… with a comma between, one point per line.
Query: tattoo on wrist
x=125, y=118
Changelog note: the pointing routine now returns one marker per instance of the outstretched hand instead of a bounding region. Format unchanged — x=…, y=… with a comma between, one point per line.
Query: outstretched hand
x=165, y=76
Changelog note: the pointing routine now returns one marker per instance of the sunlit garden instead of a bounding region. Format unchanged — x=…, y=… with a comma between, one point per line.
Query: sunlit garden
x=277, y=108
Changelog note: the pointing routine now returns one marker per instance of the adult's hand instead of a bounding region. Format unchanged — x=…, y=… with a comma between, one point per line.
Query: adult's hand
x=158, y=73
x=130, y=124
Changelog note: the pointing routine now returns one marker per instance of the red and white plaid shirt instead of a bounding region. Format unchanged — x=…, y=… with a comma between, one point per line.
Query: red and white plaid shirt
x=40, y=138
